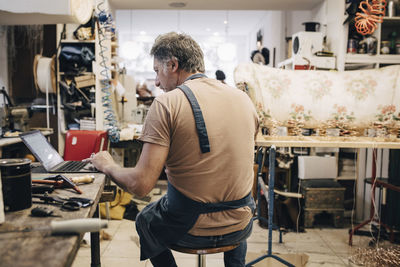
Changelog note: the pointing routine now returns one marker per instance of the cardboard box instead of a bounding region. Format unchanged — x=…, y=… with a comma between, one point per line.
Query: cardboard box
x=85, y=81
x=314, y=167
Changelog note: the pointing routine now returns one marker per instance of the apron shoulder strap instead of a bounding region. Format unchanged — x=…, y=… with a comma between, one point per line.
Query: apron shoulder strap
x=198, y=118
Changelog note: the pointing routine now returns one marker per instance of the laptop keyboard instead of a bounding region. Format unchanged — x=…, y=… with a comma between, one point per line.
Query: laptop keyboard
x=72, y=166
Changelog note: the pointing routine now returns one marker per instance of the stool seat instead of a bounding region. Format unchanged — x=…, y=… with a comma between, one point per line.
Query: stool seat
x=202, y=251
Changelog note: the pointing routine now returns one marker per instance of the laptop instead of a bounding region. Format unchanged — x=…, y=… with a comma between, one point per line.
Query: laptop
x=49, y=157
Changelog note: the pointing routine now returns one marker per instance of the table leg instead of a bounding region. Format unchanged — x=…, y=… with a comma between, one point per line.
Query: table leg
x=95, y=244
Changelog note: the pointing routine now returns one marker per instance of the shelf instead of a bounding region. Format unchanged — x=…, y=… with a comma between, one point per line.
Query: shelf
x=346, y=178
x=77, y=41
x=391, y=21
x=81, y=73
x=395, y=18
x=366, y=58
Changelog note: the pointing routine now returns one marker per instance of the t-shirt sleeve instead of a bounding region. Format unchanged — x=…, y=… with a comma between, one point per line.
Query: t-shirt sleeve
x=156, y=128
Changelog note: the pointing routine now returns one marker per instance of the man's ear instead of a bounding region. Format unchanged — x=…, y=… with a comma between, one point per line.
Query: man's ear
x=175, y=64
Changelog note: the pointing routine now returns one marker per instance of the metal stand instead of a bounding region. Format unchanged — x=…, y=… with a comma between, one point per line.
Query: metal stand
x=375, y=182
x=270, y=200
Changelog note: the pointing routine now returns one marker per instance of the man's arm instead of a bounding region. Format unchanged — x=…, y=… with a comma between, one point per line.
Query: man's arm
x=139, y=180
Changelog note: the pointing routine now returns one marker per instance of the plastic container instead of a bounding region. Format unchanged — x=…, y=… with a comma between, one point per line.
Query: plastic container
x=385, y=47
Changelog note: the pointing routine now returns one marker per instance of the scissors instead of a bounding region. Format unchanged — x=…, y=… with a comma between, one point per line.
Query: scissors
x=70, y=204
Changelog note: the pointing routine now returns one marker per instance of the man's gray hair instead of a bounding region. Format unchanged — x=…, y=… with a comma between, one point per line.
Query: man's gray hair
x=182, y=47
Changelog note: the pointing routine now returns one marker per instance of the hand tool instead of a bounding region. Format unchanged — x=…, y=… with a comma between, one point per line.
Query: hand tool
x=58, y=181
x=74, y=226
x=66, y=180
x=84, y=179
x=68, y=205
x=41, y=189
x=42, y=212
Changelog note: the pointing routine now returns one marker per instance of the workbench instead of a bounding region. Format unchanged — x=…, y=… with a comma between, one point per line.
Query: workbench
x=6, y=141
x=40, y=248
x=328, y=141
x=337, y=142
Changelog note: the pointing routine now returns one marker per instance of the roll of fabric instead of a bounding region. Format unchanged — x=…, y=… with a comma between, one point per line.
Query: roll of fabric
x=43, y=72
x=22, y=12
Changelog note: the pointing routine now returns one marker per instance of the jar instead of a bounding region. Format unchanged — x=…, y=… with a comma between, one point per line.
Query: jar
x=385, y=47
x=352, y=46
x=391, y=8
x=362, y=48
x=371, y=44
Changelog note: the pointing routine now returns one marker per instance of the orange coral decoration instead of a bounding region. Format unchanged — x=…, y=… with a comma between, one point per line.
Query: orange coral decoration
x=366, y=22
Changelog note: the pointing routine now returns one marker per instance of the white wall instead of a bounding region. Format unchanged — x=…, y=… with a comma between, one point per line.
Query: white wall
x=294, y=20
x=277, y=25
x=206, y=27
x=272, y=25
x=336, y=31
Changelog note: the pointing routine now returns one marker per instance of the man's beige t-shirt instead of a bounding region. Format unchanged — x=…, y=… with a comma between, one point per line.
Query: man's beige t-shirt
x=223, y=174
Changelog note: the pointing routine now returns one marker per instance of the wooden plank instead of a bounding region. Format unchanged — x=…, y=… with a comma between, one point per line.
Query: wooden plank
x=328, y=141
x=40, y=248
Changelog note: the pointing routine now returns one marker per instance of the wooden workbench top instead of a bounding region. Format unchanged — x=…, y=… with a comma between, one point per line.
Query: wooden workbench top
x=328, y=141
x=40, y=248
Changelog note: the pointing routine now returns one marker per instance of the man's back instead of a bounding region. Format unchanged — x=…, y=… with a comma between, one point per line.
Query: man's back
x=223, y=174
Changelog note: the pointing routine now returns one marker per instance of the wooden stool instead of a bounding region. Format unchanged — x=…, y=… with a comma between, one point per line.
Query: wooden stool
x=201, y=252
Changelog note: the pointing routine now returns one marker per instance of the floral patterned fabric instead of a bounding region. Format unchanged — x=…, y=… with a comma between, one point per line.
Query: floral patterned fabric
x=351, y=99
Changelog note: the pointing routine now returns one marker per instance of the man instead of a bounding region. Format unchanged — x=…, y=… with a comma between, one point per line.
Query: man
x=203, y=132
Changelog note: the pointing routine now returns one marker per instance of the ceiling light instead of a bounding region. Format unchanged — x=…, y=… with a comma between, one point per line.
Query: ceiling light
x=142, y=33
x=225, y=22
x=216, y=33
x=177, y=4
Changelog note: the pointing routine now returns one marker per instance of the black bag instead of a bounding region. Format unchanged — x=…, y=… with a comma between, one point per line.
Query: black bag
x=75, y=59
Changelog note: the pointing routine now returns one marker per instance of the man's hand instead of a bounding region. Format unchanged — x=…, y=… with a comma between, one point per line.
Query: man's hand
x=140, y=179
x=103, y=162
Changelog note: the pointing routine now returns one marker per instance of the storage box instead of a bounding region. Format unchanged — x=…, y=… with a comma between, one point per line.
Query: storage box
x=314, y=167
x=85, y=81
x=322, y=197
x=322, y=194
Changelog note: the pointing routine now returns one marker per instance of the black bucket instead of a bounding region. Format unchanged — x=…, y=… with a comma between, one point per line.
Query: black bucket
x=16, y=184
x=312, y=26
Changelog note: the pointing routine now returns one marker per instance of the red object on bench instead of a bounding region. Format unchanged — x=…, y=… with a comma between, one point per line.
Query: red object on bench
x=80, y=144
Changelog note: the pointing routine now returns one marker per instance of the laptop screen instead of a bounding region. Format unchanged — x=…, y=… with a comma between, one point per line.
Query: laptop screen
x=42, y=149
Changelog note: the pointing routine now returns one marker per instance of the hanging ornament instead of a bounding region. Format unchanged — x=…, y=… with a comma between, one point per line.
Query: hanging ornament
x=366, y=22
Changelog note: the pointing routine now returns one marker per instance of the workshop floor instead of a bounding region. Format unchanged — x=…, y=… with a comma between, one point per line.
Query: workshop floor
x=326, y=246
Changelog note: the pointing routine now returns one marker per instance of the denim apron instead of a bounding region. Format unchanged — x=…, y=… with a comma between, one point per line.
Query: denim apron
x=164, y=222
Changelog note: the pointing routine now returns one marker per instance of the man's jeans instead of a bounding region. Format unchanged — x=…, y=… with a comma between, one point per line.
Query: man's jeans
x=232, y=258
